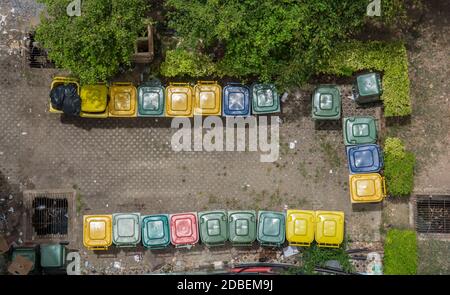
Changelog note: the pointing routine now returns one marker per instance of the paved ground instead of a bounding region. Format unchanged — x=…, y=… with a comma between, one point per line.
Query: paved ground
x=121, y=165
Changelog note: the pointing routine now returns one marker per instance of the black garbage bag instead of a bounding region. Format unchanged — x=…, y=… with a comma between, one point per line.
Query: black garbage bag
x=65, y=98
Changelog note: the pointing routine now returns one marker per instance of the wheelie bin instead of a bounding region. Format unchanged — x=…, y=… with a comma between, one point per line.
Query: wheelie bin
x=367, y=88
x=184, y=229
x=329, y=228
x=207, y=98
x=97, y=232
x=359, y=130
x=367, y=188
x=179, y=100
x=326, y=103
x=242, y=227
x=123, y=100
x=126, y=229
x=151, y=99
x=94, y=101
x=58, y=81
x=155, y=231
x=265, y=99
x=300, y=227
x=236, y=100
x=271, y=228
x=365, y=158
x=213, y=227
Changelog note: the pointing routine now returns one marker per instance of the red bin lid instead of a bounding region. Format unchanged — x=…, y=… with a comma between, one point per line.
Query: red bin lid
x=183, y=229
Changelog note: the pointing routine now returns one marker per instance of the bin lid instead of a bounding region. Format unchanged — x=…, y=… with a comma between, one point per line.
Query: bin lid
x=150, y=100
x=300, y=226
x=359, y=130
x=29, y=253
x=184, y=229
x=126, y=229
x=326, y=102
x=213, y=227
x=369, y=84
x=366, y=188
x=265, y=99
x=207, y=99
x=123, y=99
x=94, y=98
x=155, y=231
x=242, y=226
x=364, y=158
x=329, y=228
x=271, y=227
x=236, y=100
x=52, y=255
x=179, y=100
x=97, y=231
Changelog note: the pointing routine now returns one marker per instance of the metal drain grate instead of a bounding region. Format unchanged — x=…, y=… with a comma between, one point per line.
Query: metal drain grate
x=433, y=214
x=37, y=57
x=50, y=215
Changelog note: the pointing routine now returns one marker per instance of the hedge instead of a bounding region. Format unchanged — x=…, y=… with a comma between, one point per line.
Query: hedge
x=387, y=58
x=400, y=252
x=398, y=167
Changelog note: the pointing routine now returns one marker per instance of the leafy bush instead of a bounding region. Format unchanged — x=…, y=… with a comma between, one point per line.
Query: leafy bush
x=278, y=40
x=398, y=168
x=94, y=45
x=400, y=252
x=388, y=58
x=180, y=62
x=315, y=256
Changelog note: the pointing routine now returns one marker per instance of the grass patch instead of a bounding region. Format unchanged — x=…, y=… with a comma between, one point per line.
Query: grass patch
x=400, y=252
x=398, y=167
x=388, y=58
x=79, y=203
x=330, y=154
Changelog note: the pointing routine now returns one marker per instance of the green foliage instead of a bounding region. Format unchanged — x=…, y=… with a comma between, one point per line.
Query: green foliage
x=94, y=45
x=180, y=62
x=388, y=58
x=398, y=168
x=283, y=40
x=315, y=256
x=400, y=252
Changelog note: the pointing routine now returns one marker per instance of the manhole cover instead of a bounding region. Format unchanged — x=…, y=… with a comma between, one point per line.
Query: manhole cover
x=433, y=214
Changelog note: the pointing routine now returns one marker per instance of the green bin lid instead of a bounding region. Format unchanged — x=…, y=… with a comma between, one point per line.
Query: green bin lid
x=271, y=228
x=151, y=100
x=369, y=84
x=265, y=99
x=29, y=253
x=126, y=229
x=326, y=103
x=359, y=130
x=213, y=227
x=155, y=231
x=52, y=255
x=242, y=227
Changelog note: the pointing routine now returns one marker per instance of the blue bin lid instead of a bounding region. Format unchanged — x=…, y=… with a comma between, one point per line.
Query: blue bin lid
x=365, y=158
x=236, y=100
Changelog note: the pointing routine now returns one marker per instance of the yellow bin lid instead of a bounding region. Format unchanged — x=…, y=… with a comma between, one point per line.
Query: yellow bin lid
x=179, y=100
x=94, y=98
x=300, y=226
x=208, y=98
x=367, y=188
x=97, y=232
x=329, y=228
x=123, y=101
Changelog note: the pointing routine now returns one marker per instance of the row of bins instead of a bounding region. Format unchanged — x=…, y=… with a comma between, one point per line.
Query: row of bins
x=152, y=99
x=214, y=228
x=365, y=160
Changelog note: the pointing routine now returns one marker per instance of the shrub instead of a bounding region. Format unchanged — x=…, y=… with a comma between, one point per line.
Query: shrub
x=389, y=58
x=398, y=168
x=94, y=45
x=180, y=62
x=400, y=252
x=315, y=256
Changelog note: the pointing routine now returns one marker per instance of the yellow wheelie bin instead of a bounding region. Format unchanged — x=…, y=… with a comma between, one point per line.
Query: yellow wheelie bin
x=97, y=232
x=367, y=188
x=329, y=228
x=94, y=101
x=123, y=100
x=207, y=98
x=300, y=227
x=57, y=81
x=179, y=100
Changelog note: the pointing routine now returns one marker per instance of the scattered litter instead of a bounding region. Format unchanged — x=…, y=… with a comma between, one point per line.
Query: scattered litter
x=284, y=97
x=137, y=258
x=218, y=265
x=11, y=210
x=374, y=265
x=86, y=264
x=279, y=120
x=292, y=145
x=290, y=251
x=24, y=133
x=10, y=197
x=1, y=153
x=107, y=205
x=331, y=171
x=117, y=265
